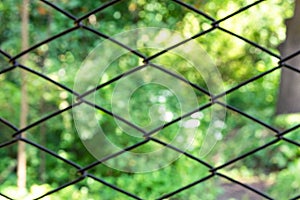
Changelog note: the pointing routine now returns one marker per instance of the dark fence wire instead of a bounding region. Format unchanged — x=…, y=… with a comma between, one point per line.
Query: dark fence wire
x=148, y=136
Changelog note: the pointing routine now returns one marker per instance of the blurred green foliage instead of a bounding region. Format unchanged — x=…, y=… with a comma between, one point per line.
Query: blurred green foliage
x=236, y=60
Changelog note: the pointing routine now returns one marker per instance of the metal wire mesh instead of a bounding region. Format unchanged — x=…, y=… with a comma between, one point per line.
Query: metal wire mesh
x=83, y=172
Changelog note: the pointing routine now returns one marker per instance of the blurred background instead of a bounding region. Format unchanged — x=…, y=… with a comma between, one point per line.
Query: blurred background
x=274, y=170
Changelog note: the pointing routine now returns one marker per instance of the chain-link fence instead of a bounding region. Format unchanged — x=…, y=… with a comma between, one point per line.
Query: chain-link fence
x=84, y=172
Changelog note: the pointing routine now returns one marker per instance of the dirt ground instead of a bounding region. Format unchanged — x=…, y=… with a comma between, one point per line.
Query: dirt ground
x=236, y=192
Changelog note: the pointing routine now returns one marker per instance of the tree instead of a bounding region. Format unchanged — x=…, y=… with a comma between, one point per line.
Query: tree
x=289, y=95
x=24, y=102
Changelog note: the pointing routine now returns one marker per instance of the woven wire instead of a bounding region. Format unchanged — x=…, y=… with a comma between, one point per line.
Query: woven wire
x=83, y=172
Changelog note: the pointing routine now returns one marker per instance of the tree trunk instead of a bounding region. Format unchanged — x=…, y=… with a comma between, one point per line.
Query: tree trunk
x=289, y=93
x=21, y=170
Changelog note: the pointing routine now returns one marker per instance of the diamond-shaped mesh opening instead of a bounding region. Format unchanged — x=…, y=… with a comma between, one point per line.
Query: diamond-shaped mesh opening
x=66, y=134
x=249, y=92
x=156, y=103
x=265, y=114
x=239, y=56
x=60, y=57
x=233, y=137
x=197, y=138
x=40, y=106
